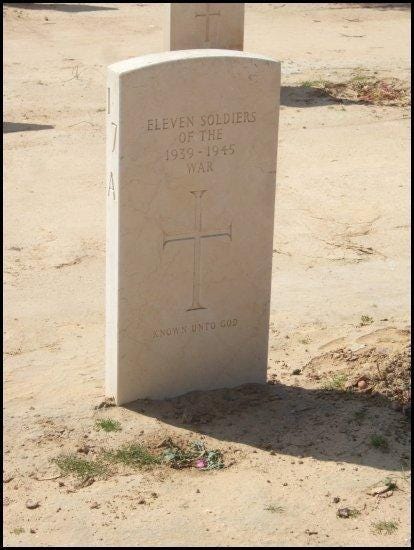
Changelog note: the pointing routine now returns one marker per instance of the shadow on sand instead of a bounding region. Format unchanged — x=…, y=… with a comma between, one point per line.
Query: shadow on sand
x=9, y=127
x=384, y=5
x=371, y=5
x=56, y=6
x=307, y=96
x=327, y=425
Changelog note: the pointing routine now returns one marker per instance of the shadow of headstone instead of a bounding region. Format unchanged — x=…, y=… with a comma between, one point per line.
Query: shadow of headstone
x=9, y=127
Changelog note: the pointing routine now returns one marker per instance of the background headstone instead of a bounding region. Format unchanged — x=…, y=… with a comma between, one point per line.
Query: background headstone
x=192, y=140
x=195, y=26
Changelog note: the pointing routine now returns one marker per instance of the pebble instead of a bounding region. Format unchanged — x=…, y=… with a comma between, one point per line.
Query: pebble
x=386, y=494
x=94, y=505
x=362, y=385
x=32, y=504
x=343, y=513
x=378, y=490
x=336, y=500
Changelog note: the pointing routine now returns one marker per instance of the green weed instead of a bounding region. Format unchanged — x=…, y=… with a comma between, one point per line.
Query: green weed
x=80, y=467
x=108, y=425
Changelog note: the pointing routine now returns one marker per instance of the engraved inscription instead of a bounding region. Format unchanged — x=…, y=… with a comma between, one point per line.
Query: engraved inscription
x=200, y=139
x=111, y=187
x=200, y=167
x=197, y=235
x=115, y=132
x=195, y=328
x=207, y=15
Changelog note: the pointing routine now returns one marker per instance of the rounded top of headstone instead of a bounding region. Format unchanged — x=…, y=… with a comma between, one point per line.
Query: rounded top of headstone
x=143, y=61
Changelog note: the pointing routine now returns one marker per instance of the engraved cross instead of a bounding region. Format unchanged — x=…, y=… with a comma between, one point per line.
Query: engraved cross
x=197, y=235
x=207, y=15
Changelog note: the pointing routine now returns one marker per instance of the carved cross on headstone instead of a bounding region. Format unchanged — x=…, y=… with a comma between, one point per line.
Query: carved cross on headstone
x=207, y=15
x=197, y=235
x=197, y=26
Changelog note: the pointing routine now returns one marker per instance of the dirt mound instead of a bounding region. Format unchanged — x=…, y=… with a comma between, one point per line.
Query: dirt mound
x=373, y=370
x=367, y=89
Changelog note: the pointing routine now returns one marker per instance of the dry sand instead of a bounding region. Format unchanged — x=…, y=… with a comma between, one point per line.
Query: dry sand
x=341, y=252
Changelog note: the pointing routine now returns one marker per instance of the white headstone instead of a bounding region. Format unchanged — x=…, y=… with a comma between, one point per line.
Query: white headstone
x=192, y=140
x=216, y=25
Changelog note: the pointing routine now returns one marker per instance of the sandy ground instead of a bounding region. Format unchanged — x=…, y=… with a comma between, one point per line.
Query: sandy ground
x=341, y=251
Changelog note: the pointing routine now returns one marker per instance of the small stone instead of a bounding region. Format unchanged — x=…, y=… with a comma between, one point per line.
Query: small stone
x=108, y=402
x=296, y=372
x=197, y=490
x=7, y=479
x=285, y=485
x=300, y=462
x=362, y=385
x=85, y=449
x=32, y=530
x=85, y=483
x=343, y=513
x=94, y=505
x=142, y=501
x=32, y=504
x=378, y=490
x=386, y=494
x=336, y=500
